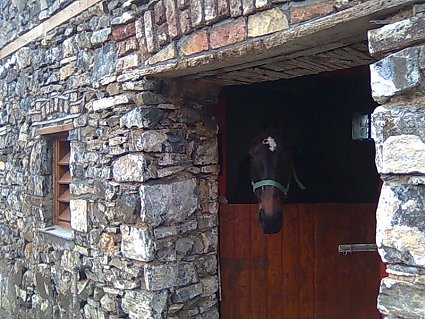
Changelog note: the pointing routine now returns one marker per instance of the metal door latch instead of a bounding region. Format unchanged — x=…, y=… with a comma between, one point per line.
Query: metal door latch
x=354, y=248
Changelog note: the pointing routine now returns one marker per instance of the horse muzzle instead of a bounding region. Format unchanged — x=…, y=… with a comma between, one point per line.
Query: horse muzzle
x=271, y=223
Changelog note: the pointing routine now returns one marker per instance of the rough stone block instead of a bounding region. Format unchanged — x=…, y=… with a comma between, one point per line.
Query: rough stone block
x=133, y=168
x=267, y=22
x=149, y=32
x=145, y=304
x=109, y=102
x=163, y=232
x=127, y=46
x=210, y=10
x=187, y=293
x=123, y=32
x=207, y=152
x=169, y=141
x=395, y=74
x=170, y=275
x=66, y=71
x=137, y=243
x=400, y=234
x=79, y=215
x=167, y=53
x=194, y=43
x=171, y=13
x=235, y=8
x=100, y=36
x=396, y=36
x=141, y=118
x=403, y=154
x=222, y=9
x=170, y=203
x=162, y=34
x=128, y=62
x=209, y=286
x=159, y=13
x=308, y=12
x=196, y=12
x=402, y=299
x=185, y=24
x=228, y=33
x=248, y=7
x=391, y=121
x=262, y=3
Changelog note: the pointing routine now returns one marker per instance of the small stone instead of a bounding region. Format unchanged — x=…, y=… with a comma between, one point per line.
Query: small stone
x=99, y=37
x=194, y=43
x=67, y=71
x=267, y=22
x=308, y=12
x=187, y=293
x=403, y=154
x=108, y=303
x=109, y=102
x=170, y=203
x=184, y=245
x=123, y=32
x=196, y=13
x=400, y=234
x=395, y=74
x=124, y=18
x=128, y=62
x=228, y=33
x=137, y=243
x=79, y=214
x=169, y=275
x=402, y=298
x=133, y=168
x=145, y=304
x=127, y=46
x=141, y=118
x=167, y=53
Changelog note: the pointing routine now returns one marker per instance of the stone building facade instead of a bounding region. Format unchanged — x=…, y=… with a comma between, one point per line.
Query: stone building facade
x=133, y=85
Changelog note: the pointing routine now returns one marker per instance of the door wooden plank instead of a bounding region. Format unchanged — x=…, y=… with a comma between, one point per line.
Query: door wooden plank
x=226, y=260
x=241, y=233
x=274, y=275
x=258, y=265
x=332, y=269
x=307, y=220
x=290, y=262
x=364, y=272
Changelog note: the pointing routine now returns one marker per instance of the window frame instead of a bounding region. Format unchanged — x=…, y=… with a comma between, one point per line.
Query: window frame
x=61, y=172
x=62, y=180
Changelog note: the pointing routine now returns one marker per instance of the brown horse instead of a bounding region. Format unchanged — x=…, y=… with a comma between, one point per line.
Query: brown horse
x=271, y=170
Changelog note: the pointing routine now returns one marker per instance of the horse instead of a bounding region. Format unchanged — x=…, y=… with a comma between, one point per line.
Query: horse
x=271, y=171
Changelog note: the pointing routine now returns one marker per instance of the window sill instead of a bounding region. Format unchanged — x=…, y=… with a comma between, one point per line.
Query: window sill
x=58, y=235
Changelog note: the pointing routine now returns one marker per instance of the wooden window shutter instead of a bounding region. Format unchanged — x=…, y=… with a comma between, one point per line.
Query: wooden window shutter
x=62, y=180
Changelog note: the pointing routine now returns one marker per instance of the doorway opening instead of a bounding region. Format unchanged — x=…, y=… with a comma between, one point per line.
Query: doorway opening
x=299, y=273
x=315, y=112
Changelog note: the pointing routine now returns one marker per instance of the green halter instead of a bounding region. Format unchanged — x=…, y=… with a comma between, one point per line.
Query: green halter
x=270, y=182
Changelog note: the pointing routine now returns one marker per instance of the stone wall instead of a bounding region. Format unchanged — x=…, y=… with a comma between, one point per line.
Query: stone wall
x=144, y=170
x=144, y=161
x=399, y=132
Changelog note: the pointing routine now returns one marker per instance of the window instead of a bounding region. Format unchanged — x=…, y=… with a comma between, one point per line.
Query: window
x=62, y=179
x=61, y=172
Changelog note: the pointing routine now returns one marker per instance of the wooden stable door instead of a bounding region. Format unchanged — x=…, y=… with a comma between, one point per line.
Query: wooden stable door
x=299, y=273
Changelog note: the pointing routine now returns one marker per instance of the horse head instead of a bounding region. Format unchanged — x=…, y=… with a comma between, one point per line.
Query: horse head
x=271, y=169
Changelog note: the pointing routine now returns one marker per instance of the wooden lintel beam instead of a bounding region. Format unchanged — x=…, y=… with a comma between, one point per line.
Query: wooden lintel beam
x=55, y=129
x=64, y=15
